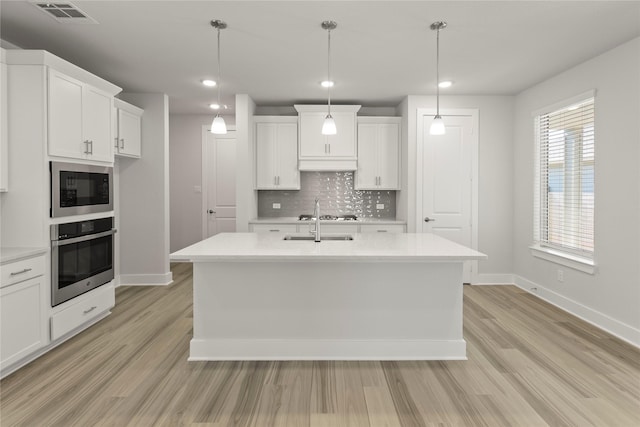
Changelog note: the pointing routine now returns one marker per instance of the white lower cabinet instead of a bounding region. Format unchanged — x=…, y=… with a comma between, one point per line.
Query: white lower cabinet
x=83, y=309
x=23, y=314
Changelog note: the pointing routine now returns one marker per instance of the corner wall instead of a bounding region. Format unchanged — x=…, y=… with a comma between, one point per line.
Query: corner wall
x=144, y=198
x=610, y=298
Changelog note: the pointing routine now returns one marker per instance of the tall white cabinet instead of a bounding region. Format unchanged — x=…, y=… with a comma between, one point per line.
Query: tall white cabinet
x=276, y=153
x=378, y=153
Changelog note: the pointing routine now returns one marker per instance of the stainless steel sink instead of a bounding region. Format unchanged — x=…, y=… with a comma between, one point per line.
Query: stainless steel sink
x=331, y=237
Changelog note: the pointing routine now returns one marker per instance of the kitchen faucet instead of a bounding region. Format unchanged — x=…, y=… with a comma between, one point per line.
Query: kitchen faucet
x=316, y=214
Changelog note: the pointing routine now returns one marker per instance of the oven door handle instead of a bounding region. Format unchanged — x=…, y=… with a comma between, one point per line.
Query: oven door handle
x=83, y=238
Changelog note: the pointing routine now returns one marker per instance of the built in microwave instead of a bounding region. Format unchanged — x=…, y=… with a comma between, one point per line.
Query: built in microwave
x=80, y=189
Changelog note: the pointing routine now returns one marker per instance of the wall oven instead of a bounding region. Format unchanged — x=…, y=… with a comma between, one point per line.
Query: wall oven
x=81, y=257
x=80, y=189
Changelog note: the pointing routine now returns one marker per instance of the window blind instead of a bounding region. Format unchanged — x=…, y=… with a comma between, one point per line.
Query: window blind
x=565, y=179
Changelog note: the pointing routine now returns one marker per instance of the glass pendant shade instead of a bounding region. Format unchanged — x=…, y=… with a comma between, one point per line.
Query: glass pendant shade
x=218, y=126
x=329, y=126
x=437, y=126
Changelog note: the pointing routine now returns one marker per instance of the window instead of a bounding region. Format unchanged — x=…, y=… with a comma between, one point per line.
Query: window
x=564, y=194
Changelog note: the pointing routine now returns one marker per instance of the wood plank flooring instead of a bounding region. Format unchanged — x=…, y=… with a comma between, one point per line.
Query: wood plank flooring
x=530, y=364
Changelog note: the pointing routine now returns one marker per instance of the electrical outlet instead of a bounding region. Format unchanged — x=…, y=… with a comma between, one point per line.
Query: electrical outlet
x=560, y=275
x=197, y=189
x=379, y=206
x=276, y=206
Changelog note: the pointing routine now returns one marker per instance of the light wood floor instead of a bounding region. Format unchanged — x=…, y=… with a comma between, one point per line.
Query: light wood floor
x=529, y=364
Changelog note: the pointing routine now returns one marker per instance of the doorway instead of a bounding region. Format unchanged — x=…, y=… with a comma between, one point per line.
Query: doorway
x=447, y=184
x=218, y=182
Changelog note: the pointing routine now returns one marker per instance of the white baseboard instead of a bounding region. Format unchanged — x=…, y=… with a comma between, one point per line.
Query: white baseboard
x=326, y=349
x=621, y=330
x=494, y=279
x=145, y=279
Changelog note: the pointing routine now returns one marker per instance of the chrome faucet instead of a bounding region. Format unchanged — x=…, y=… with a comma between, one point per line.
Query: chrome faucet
x=316, y=214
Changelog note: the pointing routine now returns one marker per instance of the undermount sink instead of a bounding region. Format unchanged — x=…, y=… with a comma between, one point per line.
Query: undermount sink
x=312, y=238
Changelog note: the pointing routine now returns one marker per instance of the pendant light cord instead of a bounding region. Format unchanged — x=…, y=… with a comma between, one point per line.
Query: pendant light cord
x=329, y=72
x=438, y=72
x=219, y=75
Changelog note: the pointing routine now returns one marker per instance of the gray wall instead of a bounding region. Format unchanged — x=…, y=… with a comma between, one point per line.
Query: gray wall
x=611, y=296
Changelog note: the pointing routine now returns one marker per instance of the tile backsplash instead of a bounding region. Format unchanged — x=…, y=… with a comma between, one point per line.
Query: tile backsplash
x=337, y=197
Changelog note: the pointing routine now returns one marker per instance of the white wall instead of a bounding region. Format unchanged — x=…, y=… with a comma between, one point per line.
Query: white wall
x=185, y=151
x=144, y=198
x=495, y=192
x=611, y=297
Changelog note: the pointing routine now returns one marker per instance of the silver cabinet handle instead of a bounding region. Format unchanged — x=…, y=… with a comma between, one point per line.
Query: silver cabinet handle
x=116, y=138
x=278, y=179
x=274, y=231
x=86, y=148
x=122, y=143
x=90, y=309
x=91, y=145
x=16, y=273
x=427, y=219
x=382, y=231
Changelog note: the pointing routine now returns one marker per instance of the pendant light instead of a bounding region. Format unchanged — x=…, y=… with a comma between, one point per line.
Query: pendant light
x=329, y=125
x=437, y=126
x=218, y=126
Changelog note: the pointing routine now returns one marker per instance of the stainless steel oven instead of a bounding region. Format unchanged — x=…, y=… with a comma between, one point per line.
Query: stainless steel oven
x=81, y=257
x=80, y=189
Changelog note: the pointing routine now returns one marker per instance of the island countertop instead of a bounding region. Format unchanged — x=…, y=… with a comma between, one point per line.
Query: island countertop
x=365, y=247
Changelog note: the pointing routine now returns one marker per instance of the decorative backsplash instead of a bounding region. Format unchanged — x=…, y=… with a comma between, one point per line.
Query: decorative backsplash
x=337, y=197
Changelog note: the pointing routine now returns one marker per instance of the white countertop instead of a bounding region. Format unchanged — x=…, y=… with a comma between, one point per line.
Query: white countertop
x=366, y=247
x=10, y=254
x=295, y=220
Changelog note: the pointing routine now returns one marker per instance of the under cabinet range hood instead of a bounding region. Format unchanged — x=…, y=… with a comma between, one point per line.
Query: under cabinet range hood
x=318, y=152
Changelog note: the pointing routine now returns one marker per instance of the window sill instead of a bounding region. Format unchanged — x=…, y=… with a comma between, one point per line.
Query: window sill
x=572, y=261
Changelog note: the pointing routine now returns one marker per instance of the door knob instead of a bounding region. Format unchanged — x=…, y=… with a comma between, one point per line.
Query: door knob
x=211, y=211
x=427, y=219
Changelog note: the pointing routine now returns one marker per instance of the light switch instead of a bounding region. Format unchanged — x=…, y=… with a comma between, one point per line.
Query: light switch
x=197, y=189
x=379, y=206
x=276, y=206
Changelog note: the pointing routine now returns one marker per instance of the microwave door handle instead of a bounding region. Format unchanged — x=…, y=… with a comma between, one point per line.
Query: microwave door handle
x=83, y=238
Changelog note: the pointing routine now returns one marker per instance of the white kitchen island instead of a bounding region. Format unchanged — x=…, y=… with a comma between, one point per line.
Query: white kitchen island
x=381, y=296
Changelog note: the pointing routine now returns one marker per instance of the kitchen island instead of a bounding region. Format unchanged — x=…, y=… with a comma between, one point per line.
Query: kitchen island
x=380, y=296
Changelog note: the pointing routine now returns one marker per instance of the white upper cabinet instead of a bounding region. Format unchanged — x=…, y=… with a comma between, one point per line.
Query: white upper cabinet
x=128, y=139
x=378, y=153
x=327, y=152
x=79, y=119
x=277, y=153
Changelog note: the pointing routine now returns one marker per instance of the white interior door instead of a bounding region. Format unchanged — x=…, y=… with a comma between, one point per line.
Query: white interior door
x=219, y=183
x=447, y=182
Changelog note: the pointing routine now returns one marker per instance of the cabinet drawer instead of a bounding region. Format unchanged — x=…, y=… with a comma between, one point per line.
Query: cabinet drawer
x=274, y=228
x=19, y=271
x=87, y=308
x=388, y=228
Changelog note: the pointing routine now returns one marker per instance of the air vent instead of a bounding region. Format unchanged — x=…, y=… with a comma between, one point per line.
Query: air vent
x=65, y=12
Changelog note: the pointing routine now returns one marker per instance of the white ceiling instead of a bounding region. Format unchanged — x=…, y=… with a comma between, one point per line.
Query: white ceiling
x=276, y=51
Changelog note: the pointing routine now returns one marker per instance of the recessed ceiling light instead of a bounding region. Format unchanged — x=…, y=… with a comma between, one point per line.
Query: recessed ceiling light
x=327, y=83
x=214, y=106
x=445, y=84
x=209, y=83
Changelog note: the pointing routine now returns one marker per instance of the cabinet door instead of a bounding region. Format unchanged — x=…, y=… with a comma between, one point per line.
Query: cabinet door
x=96, y=123
x=274, y=228
x=367, y=173
x=266, y=148
x=129, y=134
x=65, y=117
x=343, y=143
x=22, y=330
x=388, y=157
x=313, y=144
x=288, y=175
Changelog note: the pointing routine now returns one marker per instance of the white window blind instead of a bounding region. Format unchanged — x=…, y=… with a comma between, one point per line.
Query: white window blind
x=565, y=172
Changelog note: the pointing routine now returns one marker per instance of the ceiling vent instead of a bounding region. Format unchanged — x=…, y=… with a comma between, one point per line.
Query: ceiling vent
x=65, y=13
